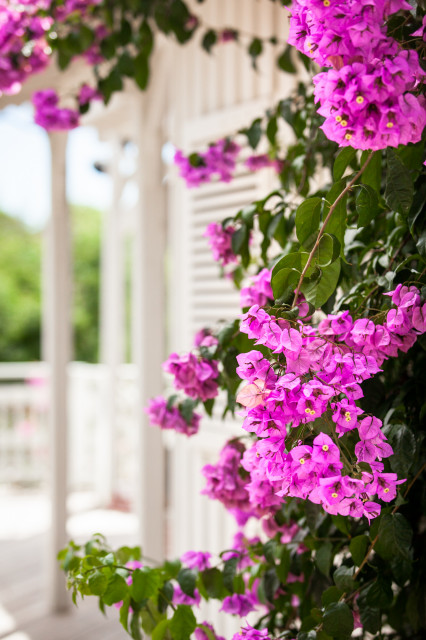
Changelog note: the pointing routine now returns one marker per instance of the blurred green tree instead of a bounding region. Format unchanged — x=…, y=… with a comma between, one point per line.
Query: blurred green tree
x=20, y=287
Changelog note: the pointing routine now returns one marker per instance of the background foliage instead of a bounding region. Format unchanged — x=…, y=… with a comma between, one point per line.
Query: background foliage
x=20, y=287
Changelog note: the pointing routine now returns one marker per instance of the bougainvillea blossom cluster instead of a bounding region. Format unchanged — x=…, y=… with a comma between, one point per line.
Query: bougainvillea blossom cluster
x=49, y=115
x=317, y=373
x=218, y=161
x=220, y=241
x=259, y=291
x=195, y=376
x=369, y=96
x=24, y=27
x=170, y=418
x=243, y=493
x=23, y=47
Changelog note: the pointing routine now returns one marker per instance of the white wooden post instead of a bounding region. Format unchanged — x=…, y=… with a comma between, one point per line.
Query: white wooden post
x=148, y=325
x=58, y=293
x=112, y=329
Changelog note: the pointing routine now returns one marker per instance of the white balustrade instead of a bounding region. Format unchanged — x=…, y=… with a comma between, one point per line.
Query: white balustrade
x=24, y=427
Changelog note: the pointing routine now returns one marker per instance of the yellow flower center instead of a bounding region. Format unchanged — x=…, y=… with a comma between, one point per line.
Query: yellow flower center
x=326, y=3
x=344, y=123
x=359, y=99
x=302, y=460
x=348, y=136
x=307, y=410
x=325, y=447
x=338, y=118
x=347, y=414
x=386, y=490
x=389, y=125
x=334, y=495
x=312, y=412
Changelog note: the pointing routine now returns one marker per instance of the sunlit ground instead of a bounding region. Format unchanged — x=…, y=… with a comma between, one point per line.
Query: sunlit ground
x=24, y=546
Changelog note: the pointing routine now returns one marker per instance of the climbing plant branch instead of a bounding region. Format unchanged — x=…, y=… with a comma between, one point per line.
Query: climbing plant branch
x=325, y=223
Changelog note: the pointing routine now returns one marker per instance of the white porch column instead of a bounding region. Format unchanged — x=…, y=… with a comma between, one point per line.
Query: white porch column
x=112, y=326
x=149, y=322
x=58, y=294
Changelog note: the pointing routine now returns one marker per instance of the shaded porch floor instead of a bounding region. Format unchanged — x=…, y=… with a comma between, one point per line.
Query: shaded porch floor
x=23, y=549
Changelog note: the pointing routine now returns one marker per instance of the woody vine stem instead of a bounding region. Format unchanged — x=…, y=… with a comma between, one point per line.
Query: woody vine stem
x=325, y=223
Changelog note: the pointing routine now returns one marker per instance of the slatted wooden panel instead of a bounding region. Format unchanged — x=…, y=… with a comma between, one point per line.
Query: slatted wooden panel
x=204, y=299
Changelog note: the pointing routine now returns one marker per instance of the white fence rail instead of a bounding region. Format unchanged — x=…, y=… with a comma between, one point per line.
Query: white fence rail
x=96, y=425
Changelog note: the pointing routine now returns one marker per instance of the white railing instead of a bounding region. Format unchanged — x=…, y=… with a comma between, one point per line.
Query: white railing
x=102, y=418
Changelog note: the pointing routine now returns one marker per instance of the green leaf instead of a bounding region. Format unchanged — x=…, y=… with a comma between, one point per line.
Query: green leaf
x=213, y=582
x=343, y=578
x=146, y=582
x=285, y=62
x=226, y=333
x=367, y=204
x=239, y=237
x=358, y=547
x=370, y=619
x=421, y=244
x=126, y=65
x=160, y=630
x=145, y=39
x=323, y=558
x=141, y=71
x=135, y=627
x=253, y=133
x=307, y=221
x=372, y=175
x=254, y=50
x=412, y=155
x=209, y=633
x=328, y=250
x=313, y=515
x=402, y=569
x=124, y=614
x=110, y=84
x=395, y=535
x=399, y=184
x=285, y=279
x=187, y=409
x=108, y=47
x=98, y=582
x=337, y=223
x=380, y=593
x=404, y=444
x=338, y=620
x=209, y=40
x=284, y=566
x=229, y=571
x=183, y=623
x=125, y=33
x=340, y=522
x=269, y=549
x=187, y=579
x=343, y=159
x=332, y=594
x=116, y=590
x=270, y=583
x=165, y=596
x=319, y=292
x=208, y=406
x=271, y=130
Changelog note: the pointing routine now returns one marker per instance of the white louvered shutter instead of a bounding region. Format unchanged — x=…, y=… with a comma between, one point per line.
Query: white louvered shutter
x=201, y=298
